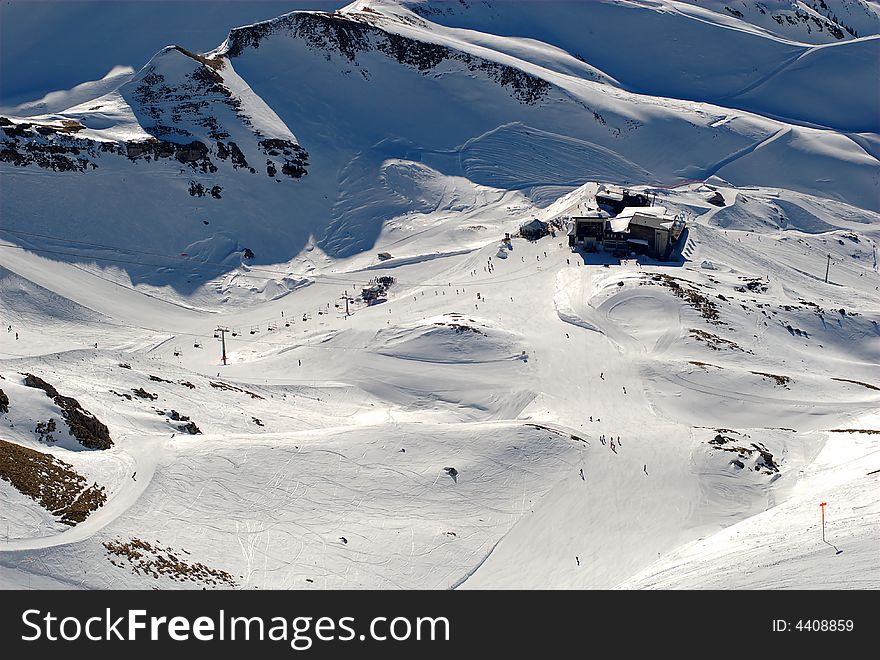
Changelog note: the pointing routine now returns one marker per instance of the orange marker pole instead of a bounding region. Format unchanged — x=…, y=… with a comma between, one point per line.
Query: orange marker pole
x=822, y=506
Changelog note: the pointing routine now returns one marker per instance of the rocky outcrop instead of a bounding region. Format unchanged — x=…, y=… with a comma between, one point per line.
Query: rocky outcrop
x=49, y=147
x=195, y=154
x=36, y=382
x=191, y=99
x=84, y=426
x=191, y=428
x=295, y=158
x=198, y=190
x=234, y=154
x=25, y=144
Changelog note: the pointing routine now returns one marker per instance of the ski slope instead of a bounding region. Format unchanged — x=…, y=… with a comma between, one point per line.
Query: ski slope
x=521, y=416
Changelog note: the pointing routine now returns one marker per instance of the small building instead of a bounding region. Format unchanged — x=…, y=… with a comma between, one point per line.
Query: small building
x=372, y=294
x=534, y=229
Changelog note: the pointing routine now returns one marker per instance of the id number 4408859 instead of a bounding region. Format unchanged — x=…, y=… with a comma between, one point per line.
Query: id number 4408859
x=814, y=625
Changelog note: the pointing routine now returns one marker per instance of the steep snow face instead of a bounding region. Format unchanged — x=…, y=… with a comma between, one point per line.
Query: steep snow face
x=187, y=99
x=60, y=101
x=675, y=49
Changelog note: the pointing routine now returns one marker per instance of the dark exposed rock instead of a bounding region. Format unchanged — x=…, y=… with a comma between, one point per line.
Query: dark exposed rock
x=192, y=97
x=766, y=460
x=84, y=426
x=196, y=189
x=17, y=130
x=294, y=171
x=35, y=381
x=191, y=428
x=143, y=394
x=4, y=402
x=238, y=159
x=194, y=154
x=295, y=157
x=46, y=429
x=60, y=152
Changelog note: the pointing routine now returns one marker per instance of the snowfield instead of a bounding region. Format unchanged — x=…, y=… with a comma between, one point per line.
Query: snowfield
x=505, y=415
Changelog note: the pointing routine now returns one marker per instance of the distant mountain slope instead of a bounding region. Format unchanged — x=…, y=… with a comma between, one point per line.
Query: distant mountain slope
x=809, y=21
x=688, y=51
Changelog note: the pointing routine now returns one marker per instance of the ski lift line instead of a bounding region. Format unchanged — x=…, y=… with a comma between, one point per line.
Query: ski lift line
x=175, y=334
x=186, y=260
x=327, y=279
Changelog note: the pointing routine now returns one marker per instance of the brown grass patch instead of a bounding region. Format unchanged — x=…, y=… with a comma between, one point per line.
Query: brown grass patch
x=153, y=559
x=53, y=483
x=782, y=381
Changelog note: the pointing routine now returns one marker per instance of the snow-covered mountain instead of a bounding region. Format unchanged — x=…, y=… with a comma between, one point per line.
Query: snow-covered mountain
x=251, y=186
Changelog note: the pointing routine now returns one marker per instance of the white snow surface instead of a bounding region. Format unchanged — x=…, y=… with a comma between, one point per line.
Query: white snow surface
x=740, y=388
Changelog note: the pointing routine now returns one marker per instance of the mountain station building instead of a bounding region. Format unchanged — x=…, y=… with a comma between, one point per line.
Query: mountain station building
x=642, y=229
